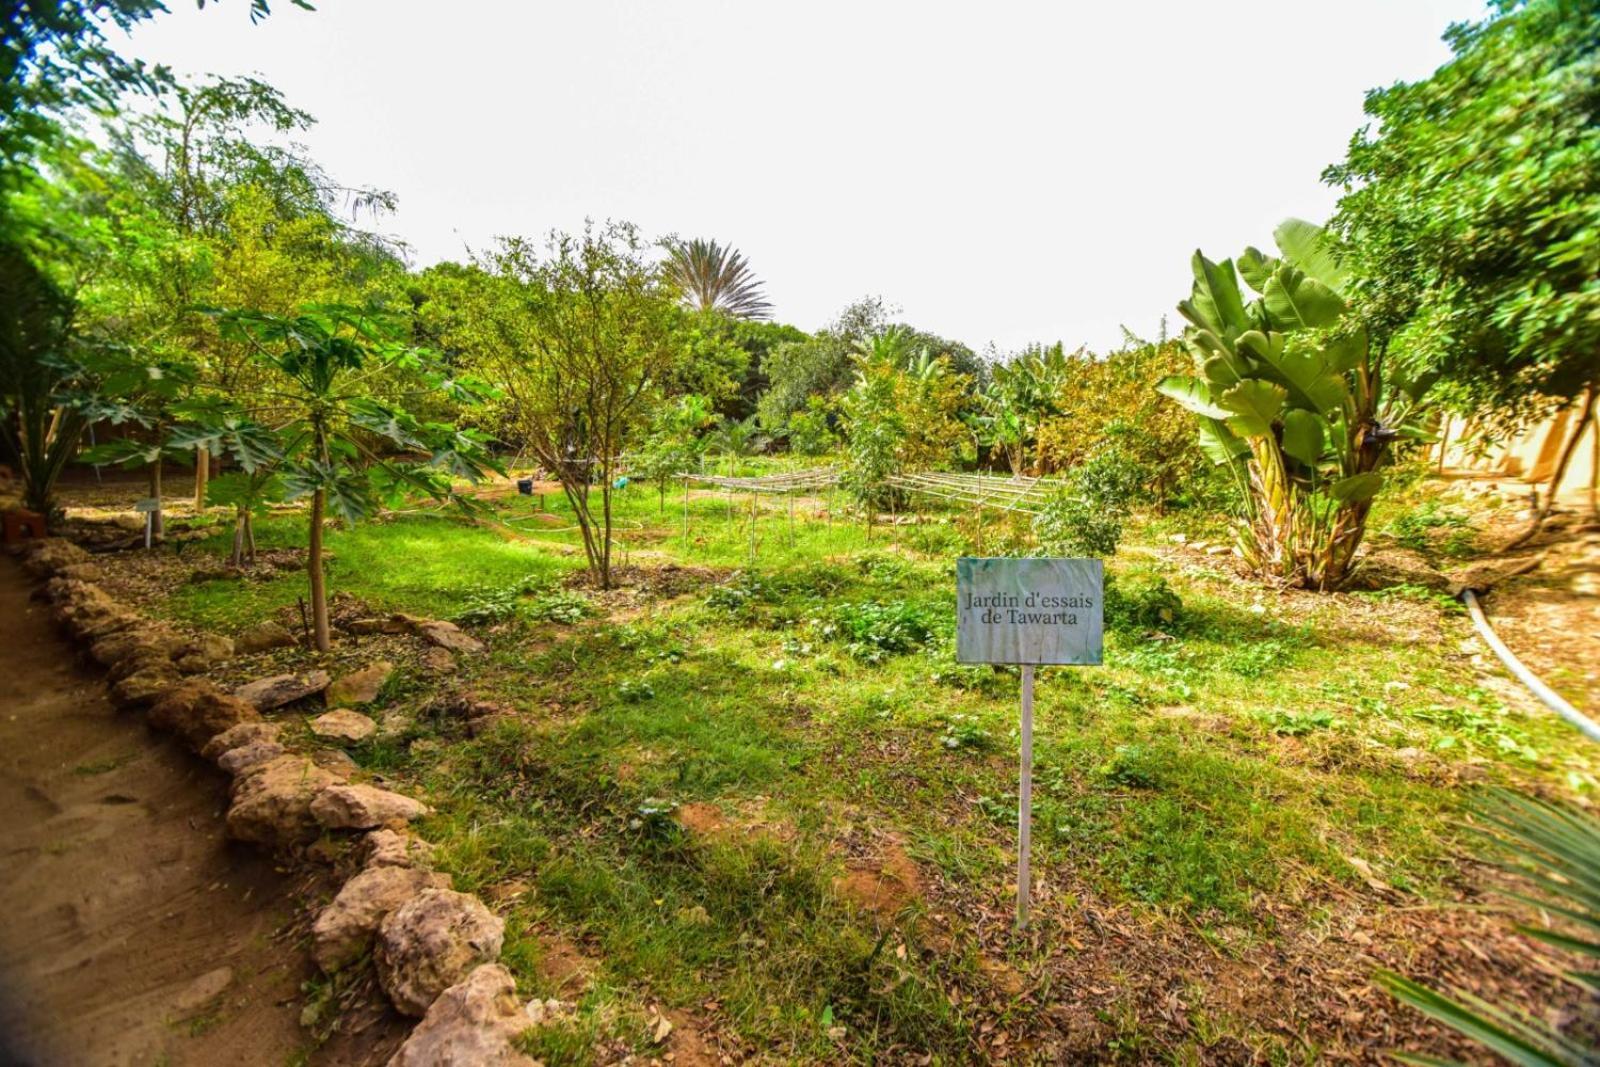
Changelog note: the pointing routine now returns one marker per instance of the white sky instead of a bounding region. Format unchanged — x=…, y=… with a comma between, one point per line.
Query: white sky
x=1002, y=172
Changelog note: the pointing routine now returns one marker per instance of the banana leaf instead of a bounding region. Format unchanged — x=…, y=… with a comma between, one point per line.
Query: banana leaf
x=1193, y=394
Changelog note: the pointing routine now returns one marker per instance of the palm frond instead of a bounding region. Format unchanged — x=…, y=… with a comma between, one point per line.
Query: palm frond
x=714, y=278
x=1556, y=849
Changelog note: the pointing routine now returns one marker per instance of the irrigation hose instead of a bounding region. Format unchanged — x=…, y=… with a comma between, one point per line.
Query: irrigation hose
x=1551, y=699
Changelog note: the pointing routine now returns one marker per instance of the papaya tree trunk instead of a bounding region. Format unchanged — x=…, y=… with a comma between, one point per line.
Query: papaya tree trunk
x=202, y=475
x=158, y=522
x=319, y=590
x=237, y=558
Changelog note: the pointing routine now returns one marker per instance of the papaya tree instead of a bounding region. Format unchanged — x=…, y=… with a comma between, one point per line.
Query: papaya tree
x=1296, y=398
x=338, y=445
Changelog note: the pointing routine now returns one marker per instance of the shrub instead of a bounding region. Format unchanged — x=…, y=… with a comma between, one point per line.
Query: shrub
x=1086, y=517
x=1141, y=604
x=872, y=631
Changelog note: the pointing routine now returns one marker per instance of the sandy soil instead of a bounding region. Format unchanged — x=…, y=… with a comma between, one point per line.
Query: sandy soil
x=130, y=931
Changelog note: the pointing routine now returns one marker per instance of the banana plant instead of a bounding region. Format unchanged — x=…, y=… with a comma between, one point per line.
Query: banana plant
x=1293, y=395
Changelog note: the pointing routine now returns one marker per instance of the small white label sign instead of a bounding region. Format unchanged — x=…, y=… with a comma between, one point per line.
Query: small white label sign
x=1034, y=611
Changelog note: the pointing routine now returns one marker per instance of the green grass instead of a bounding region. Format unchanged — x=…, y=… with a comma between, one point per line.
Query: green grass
x=1217, y=774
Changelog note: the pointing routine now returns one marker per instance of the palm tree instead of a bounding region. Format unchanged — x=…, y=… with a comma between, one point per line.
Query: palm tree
x=714, y=278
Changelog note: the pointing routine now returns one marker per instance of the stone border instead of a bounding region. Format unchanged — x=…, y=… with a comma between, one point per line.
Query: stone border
x=435, y=950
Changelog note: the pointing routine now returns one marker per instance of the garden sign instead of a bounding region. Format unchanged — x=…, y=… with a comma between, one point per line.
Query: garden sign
x=1029, y=612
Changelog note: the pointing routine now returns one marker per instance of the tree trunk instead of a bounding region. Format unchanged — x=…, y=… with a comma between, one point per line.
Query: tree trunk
x=605, y=548
x=237, y=559
x=202, y=475
x=319, y=590
x=1553, y=488
x=249, y=537
x=158, y=522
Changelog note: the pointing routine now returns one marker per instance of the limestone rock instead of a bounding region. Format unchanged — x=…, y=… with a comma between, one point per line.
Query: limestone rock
x=144, y=688
x=83, y=572
x=142, y=658
x=263, y=638
x=449, y=635
x=48, y=555
x=243, y=733
x=112, y=649
x=430, y=943
x=203, y=652
x=272, y=802
x=472, y=1022
x=364, y=807
x=91, y=627
x=438, y=660
x=345, y=928
x=79, y=600
x=268, y=693
x=360, y=687
x=242, y=759
x=395, y=848
x=344, y=726
x=336, y=760
x=198, y=711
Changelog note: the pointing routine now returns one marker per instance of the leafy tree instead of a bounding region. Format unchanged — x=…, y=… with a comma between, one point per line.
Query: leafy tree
x=810, y=430
x=334, y=443
x=1469, y=215
x=714, y=278
x=581, y=341
x=205, y=214
x=43, y=387
x=821, y=365
x=55, y=57
x=1109, y=399
x=675, y=442
x=1292, y=393
x=875, y=430
x=1021, y=394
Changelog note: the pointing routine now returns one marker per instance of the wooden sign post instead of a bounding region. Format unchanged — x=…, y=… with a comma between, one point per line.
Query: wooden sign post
x=1029, y=612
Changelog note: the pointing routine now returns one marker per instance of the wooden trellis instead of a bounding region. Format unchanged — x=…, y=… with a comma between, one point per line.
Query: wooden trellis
x=1027, y=495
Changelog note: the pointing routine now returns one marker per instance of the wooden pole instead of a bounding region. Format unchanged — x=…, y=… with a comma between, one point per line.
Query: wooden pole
x=686, y=516
x=1025, y=800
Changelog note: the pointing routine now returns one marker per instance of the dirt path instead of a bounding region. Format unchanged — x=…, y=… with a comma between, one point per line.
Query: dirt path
x=130, y=931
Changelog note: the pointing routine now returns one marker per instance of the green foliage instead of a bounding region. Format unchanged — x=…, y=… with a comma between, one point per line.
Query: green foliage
x=1290, y=395
x=1297, y=723
x=1470, y=207
x=39, y=377
x=1434, y=530
x=328, y=429
x=1021, y=394
x=1132, y=767
x=965, y=731
x=873, y=630
x=559, y=606
x=810, y=430
x=1086, y=517
x=581, y=339
x=1142, y=604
